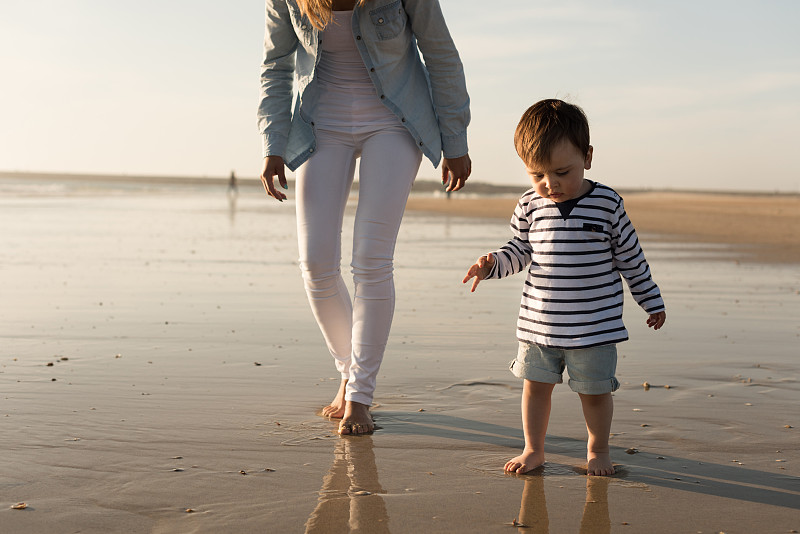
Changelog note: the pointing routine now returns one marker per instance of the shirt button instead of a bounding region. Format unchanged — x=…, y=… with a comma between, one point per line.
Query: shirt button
x=380, y=21
x=358, y=37
x=312, y=150
x=420, y=143
x=383, y=96
x=304, y=27
x=372, y=69
x=403, y=119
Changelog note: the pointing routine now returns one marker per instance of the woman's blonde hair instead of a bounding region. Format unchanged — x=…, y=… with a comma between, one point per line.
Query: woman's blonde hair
x=319, y=12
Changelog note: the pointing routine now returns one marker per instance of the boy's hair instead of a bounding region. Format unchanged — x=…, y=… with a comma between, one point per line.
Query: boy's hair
x=547, y=123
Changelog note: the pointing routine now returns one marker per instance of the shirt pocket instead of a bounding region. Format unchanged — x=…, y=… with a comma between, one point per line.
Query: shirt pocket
x=595, y=236
x=389, y=20
x=302, y=26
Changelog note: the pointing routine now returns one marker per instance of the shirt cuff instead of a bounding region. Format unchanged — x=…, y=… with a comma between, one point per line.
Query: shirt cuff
x=454, y=146
x=494, y=273
x=274, y=144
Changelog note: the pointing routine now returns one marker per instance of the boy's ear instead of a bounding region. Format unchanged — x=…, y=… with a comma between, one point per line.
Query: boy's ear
x=587, y=163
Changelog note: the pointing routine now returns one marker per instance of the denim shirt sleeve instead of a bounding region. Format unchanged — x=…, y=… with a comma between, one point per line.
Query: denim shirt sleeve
x=277, y=75
x=448, y=84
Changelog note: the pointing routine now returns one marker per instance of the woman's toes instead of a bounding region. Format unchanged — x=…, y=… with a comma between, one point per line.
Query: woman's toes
x=354, y=429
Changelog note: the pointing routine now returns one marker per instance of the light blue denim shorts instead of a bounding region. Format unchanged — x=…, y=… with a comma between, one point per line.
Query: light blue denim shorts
x=591, y=371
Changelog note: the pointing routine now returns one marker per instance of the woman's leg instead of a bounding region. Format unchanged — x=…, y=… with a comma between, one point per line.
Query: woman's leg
x=323, y=185
x=390, y=160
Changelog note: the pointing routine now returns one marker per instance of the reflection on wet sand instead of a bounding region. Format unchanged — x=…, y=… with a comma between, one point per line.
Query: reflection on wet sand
x=350, y=500
x=533, y=508
x=233, y=196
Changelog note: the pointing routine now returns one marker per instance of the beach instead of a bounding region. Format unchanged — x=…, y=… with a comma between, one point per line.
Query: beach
x=160, y=372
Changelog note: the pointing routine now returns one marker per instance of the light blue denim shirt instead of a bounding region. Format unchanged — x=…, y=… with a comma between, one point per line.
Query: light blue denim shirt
x=429, y=99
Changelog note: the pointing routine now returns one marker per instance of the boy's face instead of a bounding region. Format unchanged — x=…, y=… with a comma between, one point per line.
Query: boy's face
x=561, y=178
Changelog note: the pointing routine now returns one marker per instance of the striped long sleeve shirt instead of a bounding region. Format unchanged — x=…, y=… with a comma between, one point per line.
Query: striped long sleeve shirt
x=572, y=297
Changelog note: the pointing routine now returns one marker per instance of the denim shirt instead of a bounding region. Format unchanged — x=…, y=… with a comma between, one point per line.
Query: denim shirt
x=429, y=99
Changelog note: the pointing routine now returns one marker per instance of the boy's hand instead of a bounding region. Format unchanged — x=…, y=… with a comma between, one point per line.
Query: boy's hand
x=480, y=270
x=656, y=320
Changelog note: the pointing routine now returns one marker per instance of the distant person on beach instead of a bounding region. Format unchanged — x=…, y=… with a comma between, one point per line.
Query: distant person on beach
x=363, y=92
x=232, y=186
x=575, y=240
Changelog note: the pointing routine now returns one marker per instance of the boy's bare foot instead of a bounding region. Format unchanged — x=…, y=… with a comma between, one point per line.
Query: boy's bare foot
x=599, y=464
x=525, y=462
x=356, y=420
x=335, y=410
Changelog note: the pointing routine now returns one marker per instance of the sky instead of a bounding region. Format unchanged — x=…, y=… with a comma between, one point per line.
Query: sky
x=686, y=94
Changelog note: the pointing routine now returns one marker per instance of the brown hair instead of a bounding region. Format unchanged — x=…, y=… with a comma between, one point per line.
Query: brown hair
x=319, y=11
x=547, y=123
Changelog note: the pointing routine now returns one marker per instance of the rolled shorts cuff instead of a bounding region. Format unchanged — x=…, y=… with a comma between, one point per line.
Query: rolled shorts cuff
x=600, y=387
x=536, y=374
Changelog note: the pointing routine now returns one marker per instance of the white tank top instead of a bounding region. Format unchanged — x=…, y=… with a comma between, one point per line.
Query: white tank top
x=347, y=98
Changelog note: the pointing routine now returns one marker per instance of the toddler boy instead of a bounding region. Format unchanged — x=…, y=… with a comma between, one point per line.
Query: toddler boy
x=575, y=240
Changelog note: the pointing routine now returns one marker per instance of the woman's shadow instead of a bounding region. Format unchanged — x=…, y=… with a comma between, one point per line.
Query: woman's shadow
x=350, y=498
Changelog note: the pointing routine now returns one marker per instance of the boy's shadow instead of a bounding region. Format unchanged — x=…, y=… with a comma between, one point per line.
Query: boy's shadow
x=655, y=469
x=350, y=498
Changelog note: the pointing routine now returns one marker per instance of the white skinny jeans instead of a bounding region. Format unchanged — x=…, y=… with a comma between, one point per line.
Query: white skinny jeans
x=355, y=331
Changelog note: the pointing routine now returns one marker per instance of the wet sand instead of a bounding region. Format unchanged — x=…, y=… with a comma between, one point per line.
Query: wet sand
x=186, y=371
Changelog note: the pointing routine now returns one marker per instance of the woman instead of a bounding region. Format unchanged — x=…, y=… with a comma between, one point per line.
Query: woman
x=362, y=91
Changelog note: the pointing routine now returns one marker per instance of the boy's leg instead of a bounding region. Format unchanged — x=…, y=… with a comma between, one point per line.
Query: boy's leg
x=591, y=376
x=598, y=411
x=535, y=416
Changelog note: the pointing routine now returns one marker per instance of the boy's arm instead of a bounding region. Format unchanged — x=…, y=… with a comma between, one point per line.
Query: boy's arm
x=630, y=261
x=514, y=256
x=509, y=259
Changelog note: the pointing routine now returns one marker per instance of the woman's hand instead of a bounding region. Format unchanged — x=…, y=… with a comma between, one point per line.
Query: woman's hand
x=456, y=171
x=480, y=270
x=273, y=166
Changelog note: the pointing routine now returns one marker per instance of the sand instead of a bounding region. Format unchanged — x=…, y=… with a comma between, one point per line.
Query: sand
x=186, y=371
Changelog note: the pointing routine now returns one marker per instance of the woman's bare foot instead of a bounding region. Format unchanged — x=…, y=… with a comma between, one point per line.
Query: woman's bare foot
x=599, y=464
x=335, y=410
x=525, y=462
x=356, y=419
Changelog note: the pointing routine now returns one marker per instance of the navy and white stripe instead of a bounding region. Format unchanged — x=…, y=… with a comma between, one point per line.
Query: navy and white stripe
x=572, y=297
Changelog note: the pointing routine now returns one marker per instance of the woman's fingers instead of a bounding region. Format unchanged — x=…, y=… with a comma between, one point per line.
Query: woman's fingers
x=455, y=172
x=273, y=166
x=269, y=187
